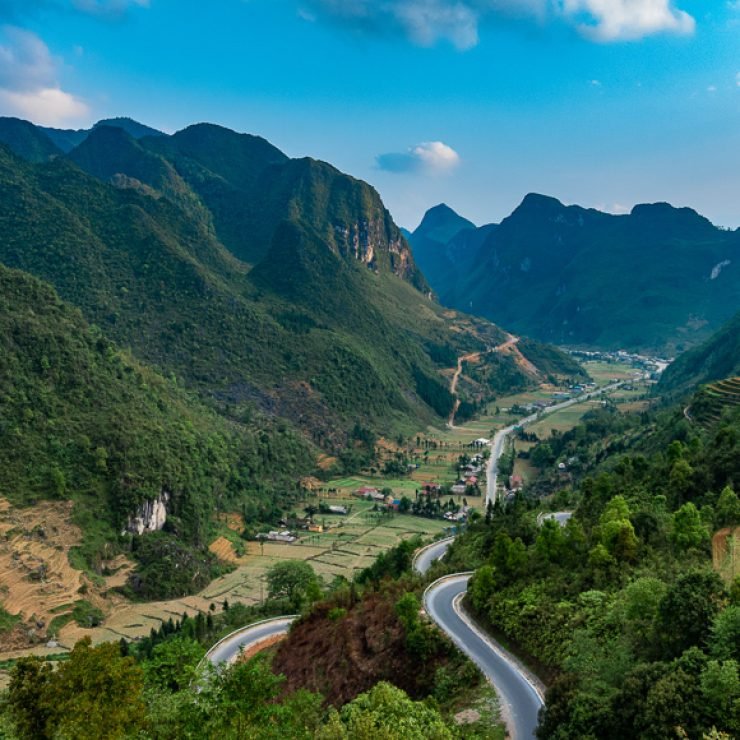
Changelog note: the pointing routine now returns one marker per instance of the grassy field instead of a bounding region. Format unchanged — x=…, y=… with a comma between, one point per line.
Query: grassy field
x=603, y=372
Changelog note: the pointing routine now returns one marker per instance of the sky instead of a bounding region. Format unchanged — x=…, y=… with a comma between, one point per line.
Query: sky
x=475, y=103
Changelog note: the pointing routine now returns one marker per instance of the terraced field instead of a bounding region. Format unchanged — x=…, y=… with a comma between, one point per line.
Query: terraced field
x=713, y=399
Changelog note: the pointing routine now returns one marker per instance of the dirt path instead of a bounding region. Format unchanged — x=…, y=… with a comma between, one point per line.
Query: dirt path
x=472, y=357
x=509, y=347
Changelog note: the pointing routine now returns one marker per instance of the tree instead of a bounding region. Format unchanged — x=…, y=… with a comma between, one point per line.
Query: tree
x=687, y=610
x=95, y=694
x=173, y=664
x=639, y=610
x=481, y=586
x=680, y=480
x=550, y=542
x=688, y=528
x=542, y=455
x=387, y=713
x=724, y=642
x=29, y=681
x=617, y=533
x=720, y=687
x=728, y=508
x=295, y=581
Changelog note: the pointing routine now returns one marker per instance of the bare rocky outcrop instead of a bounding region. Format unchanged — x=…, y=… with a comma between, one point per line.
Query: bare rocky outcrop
x=150, y=516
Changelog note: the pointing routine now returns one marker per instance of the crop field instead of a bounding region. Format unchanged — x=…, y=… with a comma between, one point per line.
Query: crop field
x=350, y=543
x=603, y=372
x=347, y=544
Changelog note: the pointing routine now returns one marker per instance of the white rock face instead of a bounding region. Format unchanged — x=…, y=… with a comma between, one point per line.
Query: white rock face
x=718, y=268
x=150, y=516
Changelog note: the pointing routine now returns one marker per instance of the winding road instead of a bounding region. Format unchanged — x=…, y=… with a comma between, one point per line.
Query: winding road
x=228, y=649
x=499, y=440
x=521, y=694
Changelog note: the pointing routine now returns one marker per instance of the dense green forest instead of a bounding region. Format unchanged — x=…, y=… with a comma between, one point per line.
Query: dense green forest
x=659, y=278
x=80, y=419
x=621, y=609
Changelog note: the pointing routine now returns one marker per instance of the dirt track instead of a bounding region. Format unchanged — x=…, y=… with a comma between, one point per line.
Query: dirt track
x=509, y=347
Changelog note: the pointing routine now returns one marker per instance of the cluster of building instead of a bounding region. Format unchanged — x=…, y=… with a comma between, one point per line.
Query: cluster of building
x=373, y=494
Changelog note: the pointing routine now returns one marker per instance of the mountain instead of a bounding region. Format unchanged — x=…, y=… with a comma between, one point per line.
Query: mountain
x=82, y=420
x=660, y=278
x=332, y=324
x=715, y=359
x=440, y=224
x=68, y=139
x=26, y=140
x=325, y=338
x=444, y=244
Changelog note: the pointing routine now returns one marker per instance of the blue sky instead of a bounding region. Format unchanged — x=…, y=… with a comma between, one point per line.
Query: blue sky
x=605, y=103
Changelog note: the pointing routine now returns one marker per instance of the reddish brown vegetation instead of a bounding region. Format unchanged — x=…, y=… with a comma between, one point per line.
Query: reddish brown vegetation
x=342, y=657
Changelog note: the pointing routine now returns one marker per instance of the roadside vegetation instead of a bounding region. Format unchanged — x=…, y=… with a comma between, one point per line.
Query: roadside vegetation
x=621, y=610
x=413, y=683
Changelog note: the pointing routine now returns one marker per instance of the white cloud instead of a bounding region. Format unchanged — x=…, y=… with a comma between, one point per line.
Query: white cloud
x=426, y=22
x=46, y=107
x=28, y=81
x=429, y=157
x=712, y=89
x=737, y=79
x=624, y=20
x=617, y=209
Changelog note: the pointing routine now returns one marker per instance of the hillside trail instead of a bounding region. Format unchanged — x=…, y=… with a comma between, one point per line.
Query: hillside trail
x=509, y=347
x=472, y=357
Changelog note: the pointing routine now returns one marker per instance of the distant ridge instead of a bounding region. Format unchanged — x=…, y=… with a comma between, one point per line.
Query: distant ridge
x=68, y=139
x=443, y=243
x=659, y=278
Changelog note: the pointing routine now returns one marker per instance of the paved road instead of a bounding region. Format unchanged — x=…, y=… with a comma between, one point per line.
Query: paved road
x=520, y=699
x=561, y=517
x=427, y=555
x=499, y=440
x=228, y=649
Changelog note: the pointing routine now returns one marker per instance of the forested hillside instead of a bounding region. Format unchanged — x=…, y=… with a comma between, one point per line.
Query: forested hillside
x=621, y=608
x=82, y=420
x=659, y=278
x=331, y=324
x=717, y=358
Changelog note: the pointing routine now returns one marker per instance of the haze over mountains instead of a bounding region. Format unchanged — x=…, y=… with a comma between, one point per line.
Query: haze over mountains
x=659, y=278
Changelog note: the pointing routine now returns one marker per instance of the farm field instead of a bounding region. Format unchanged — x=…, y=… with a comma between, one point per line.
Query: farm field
x=347, y=544
x=350, y=544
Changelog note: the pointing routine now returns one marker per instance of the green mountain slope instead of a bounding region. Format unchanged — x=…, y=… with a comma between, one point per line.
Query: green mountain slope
x=717, y=358
x=659, y=278
x=294, y=340
x=26, y=140
x=82, y=420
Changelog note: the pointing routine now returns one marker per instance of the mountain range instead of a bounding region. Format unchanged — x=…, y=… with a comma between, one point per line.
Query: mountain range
x=270, y=305
x=659, y=278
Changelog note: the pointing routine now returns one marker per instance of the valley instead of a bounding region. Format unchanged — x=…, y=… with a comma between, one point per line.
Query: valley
x=344, y=544
x=289, y=452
